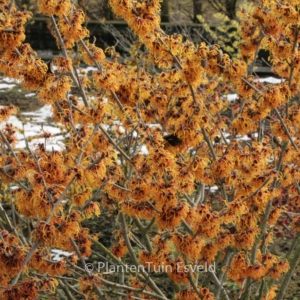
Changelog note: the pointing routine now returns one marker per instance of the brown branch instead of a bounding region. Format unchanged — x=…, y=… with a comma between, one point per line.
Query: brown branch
x=98, y=290
x=134, y=259
x=65, y=53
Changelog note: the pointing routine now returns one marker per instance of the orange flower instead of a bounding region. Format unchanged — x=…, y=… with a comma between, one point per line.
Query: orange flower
x=236, y=71
x=119, y=249
x=26, y=289
x=140, y=210
x=223, y=166
x=92, y=209
x=178, y=271
x=257, y=271
x=54, y=89
x=6, y=112
x=238, y=268
x=172, y=216
x=187, y=294
x=71, y=28
x=245, y=239
x=54, y=7
x=108, y=81
x=94, y=53
x=271, y=293
x=64, y=64
x=139, y=190
x=188, y=245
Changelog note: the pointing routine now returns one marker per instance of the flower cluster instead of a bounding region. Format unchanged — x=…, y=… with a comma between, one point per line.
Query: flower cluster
x=187, y=176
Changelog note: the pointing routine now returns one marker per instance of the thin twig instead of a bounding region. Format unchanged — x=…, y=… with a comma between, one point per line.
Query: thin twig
x=151, y=283
x=98, y=290
x=9, y=147
x=65, y=53
x=114, y=144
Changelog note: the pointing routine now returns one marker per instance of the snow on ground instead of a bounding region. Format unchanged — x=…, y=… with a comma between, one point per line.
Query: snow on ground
x=6, y=86
x=30, y=95
x=58, y=254
x=40, y=115
x=271, y=80
x=231, y=97
x=35, y=124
